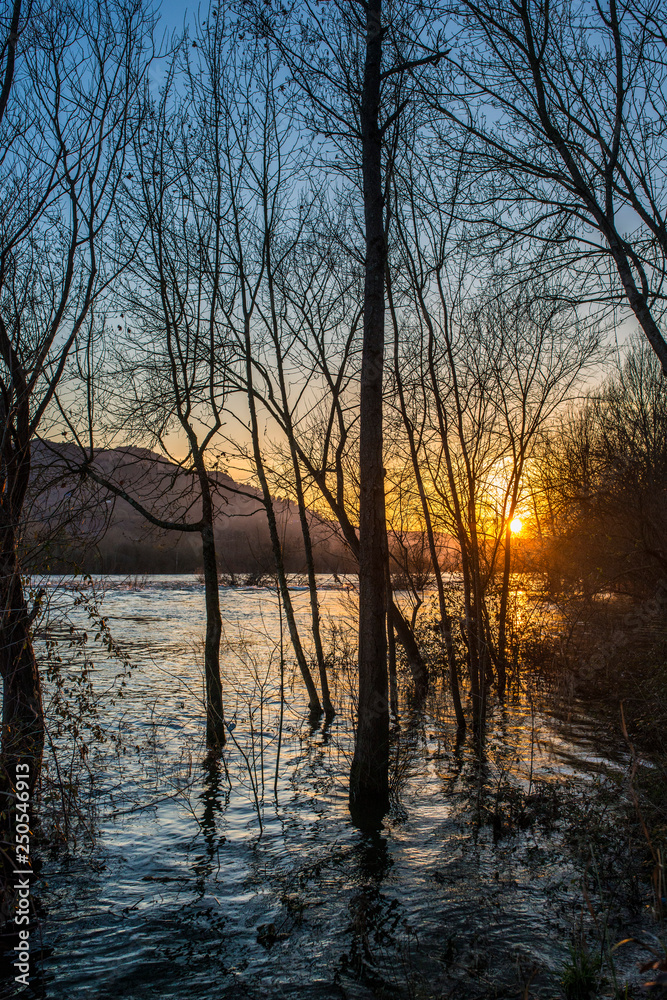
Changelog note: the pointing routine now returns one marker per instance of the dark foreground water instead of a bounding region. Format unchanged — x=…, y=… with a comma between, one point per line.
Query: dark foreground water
x=214, y=879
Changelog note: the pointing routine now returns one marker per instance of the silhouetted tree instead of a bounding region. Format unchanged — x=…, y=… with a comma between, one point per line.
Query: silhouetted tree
x=561, y=109
x=600, y=484
x=67, y=118
x=352, y=64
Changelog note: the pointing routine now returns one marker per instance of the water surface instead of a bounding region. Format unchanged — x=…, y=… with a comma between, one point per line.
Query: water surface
x=215, y=878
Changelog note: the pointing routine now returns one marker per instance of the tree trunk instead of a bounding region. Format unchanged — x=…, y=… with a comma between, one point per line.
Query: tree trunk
x=215, y=719
x=501, y=665
x=369, y=775
x=407, y=640
x=315, y=611
x=403, y=631
x=312, y=586
x=471, y=643
x=298, y=483
x=22, y=712
x=313, y=697
x=391, y=649
x=445, y=619
x=478, y=627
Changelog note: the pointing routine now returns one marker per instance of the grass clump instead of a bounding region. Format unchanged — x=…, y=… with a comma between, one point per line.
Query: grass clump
x=581, y=975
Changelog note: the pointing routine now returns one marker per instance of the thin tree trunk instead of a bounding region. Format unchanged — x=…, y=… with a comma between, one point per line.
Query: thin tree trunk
x=477, y=622
x=312, y=581
x=445, y=620
x=282, y=699
x=298, y=481
x=466, y=538
x=247, y=304
x=445, y=623
x=215, y=720
x=313, y=697
x=407, y=640
x=369, y=775
x=473, y=651
x=314, y=603
x=501, y=665
x=215, y=716
x=403, y=631
x=391, y=650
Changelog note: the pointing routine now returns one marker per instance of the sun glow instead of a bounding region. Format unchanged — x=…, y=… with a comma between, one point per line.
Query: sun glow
x=516, y=524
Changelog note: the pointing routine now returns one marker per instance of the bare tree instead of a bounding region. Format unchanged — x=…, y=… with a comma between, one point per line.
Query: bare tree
x=253, y=159
x=498, y=371
x=163, y=370
x=351, y=62
x=562, y=110
x=316, y=292
x=67, y=119
x=599, y=484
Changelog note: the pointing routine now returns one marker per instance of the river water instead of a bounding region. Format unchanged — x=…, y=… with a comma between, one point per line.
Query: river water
x=233, y=878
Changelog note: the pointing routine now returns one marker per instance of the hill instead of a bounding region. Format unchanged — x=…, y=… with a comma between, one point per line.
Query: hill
x=76, y=523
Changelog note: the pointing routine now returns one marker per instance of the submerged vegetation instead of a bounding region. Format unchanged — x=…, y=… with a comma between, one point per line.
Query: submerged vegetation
x=334, y=286
x=547, y=818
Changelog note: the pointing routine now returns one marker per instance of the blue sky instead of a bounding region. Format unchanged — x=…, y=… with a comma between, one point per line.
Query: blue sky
x=174, y=14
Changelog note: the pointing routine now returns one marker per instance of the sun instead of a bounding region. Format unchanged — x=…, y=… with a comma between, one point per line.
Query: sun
x=516, y=524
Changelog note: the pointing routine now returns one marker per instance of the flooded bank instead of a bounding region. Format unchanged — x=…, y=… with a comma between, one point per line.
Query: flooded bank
x=230, y=877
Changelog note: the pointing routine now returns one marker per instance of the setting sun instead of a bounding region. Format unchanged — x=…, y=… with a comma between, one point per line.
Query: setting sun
x=516, y=525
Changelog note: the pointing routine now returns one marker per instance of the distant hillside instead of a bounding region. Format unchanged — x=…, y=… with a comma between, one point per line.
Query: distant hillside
x=76, y=523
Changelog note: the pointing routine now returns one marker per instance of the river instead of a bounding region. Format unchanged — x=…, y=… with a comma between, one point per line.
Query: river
x=210, y=879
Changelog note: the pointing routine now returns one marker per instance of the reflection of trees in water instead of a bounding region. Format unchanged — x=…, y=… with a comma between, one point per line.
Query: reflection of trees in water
x=374, y=919
x=215, y=794
x=317, y=886
x=490, y=776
